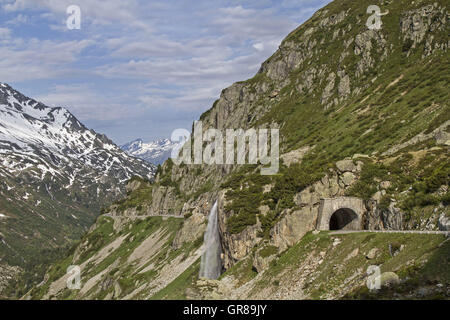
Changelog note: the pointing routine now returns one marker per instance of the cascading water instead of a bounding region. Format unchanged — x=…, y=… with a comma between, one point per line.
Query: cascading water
x=211, y=264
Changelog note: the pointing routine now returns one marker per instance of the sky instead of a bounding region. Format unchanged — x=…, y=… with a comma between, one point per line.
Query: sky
x=140, y=69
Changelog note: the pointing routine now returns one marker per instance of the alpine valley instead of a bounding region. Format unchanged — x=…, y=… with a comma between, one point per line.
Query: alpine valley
x=363, y=185
x=55, y=175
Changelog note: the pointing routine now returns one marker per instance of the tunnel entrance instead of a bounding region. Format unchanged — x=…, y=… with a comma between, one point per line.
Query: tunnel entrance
x=342, y=219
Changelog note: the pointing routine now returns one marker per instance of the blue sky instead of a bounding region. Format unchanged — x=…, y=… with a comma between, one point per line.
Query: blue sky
x=140, y=69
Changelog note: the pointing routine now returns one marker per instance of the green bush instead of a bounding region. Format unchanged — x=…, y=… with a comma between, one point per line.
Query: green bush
x=366, y=186
x=384, y=203
x=268, y=221
x=238, y=222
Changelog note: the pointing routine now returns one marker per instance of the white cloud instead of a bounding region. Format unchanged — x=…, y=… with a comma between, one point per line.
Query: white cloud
x=98, y=12
x=259, y=46
x=159, y=55
x=14, y=5
x=5, y=33
x=87, y=104
x=18, y=20
x=34, y=59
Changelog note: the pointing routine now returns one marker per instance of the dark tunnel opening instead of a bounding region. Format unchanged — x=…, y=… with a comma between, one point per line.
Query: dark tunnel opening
x=342, y=218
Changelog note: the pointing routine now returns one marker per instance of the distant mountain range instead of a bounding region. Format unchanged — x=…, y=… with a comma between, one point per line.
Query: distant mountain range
x=55, y=175
x=155, y=152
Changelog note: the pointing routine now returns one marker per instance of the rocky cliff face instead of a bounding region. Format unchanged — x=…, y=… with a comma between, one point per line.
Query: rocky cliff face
x=362, y=113
x=335, y=63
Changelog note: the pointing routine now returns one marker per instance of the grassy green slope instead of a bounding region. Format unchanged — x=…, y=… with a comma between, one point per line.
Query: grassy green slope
x=398, y=97
x=323, y=271
x=114, y=266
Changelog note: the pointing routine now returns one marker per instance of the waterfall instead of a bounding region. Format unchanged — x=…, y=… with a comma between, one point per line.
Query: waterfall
x=211, y=264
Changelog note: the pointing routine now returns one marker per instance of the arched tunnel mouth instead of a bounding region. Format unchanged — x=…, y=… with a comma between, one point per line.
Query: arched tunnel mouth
x=342, y=218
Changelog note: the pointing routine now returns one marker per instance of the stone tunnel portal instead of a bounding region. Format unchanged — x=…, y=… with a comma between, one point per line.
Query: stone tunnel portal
x=342, y=218
x=341, y=213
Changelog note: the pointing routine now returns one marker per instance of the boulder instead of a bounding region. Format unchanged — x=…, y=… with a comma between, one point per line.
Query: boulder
x=264, y=209
x=336, y=242
x=348, y=178
x=346, y=166
x=378, y=195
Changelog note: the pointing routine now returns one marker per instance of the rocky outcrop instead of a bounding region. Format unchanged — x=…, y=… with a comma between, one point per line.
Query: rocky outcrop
x=418, y=25
x=261, y=260
x=294, y=223
x=236, y=246
x=7, y=273
x=293, y=226
x=440, y=134
x=444, y=222
x=133, y=185
x=364, y=43
x=329, y=88
x=193, y=228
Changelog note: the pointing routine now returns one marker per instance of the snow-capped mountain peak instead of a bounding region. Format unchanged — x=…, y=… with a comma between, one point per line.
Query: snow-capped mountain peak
x=29, y=128
x=55, y=174
x=155, y=152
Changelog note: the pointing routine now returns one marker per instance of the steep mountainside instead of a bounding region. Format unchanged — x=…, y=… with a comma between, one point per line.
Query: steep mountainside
x=363, y=114
x=55, y=176
x=155, y=152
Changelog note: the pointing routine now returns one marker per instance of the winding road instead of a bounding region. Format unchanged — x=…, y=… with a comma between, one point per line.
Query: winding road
x=446, y=233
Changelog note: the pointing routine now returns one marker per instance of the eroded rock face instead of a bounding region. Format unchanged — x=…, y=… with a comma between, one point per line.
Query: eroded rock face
x=416, y=26
x=293, y=226
x=295, y=156
x=133, y=185
x=238, y=246
x=193, y=228
x=344, y=84
x=235, y=246
x=163, y=200
x=327, y=187
x=363, y=47
x=260, y=262
x=329, y=89
x=8, y=273
x=390, y=218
